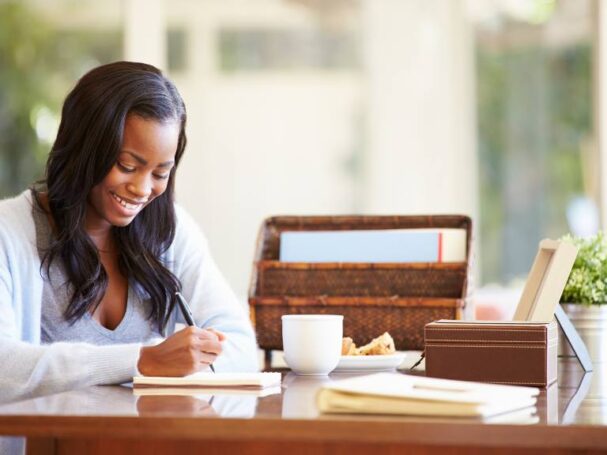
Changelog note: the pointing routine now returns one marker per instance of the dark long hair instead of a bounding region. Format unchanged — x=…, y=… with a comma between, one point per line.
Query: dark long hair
x=87, y=146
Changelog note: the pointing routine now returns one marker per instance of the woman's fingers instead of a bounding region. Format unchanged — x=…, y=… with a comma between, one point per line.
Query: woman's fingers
x=204, y=343
x=220, y=335
x=182, y=353
x=206, y=358
x=208, y=346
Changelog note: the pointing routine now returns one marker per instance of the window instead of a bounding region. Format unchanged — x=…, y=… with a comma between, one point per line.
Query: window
x=276, y=49
x=45, y=46
x=537, y=161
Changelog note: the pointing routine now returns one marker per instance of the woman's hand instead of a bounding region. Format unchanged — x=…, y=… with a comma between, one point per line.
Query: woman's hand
x=185, y=352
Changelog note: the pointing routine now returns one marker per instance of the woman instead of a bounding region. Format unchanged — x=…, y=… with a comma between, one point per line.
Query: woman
x=91, y=257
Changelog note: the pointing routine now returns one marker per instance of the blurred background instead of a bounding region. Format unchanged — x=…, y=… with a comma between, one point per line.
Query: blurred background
x=490, y=108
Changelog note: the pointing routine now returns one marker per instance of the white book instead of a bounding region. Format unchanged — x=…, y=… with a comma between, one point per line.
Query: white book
x=374, y=246
x=212, y=380
x=204, y=392
x=395, y=393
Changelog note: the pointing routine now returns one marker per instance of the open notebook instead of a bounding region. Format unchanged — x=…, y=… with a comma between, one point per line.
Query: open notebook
x=212, y=380
x=204, y=391
x=395, y=393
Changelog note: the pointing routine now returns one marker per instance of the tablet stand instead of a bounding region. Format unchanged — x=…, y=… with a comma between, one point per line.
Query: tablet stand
x=573, y=338
x=576, y=399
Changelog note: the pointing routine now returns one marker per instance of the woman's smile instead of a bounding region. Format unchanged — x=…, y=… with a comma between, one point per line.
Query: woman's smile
x=128, y=204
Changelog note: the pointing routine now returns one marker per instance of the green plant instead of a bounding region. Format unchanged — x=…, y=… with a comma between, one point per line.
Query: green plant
x=587, y=283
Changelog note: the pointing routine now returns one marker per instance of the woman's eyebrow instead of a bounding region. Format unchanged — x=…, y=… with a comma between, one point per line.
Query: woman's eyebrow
x=142, y=161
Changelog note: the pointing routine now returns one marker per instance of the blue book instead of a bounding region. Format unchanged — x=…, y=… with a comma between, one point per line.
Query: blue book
x=389, y=245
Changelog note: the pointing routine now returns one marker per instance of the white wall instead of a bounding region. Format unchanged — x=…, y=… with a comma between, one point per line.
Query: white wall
x=145, y=31
x=277, y=143
x=260, y=144
x=422, y=156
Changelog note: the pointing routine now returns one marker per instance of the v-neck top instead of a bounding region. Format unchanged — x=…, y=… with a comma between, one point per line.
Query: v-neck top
x=135, y=326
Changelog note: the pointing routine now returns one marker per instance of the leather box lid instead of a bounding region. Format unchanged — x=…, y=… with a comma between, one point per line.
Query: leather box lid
x=515, y=332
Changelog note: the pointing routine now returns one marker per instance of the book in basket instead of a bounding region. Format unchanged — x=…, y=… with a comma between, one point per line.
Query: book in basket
x=395, y=393
x=385, y=245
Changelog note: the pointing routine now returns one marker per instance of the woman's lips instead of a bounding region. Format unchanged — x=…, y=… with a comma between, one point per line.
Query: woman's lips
x=129, y=206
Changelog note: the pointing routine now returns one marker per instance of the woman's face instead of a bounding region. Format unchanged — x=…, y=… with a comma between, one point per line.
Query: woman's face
x=139, y=175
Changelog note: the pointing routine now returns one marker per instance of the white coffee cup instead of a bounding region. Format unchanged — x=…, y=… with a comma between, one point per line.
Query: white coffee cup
x=312, y=342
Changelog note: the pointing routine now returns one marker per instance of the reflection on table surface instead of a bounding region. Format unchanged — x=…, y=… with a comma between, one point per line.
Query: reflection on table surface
x=577, y=399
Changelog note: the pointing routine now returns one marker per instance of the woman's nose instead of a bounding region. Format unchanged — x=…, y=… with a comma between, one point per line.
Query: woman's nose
x=141, y=187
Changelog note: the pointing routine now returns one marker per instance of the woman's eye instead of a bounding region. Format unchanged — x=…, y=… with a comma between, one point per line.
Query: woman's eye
x=125, y=168
x=162, y=177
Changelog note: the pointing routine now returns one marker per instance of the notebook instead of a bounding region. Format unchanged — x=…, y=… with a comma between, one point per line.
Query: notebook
x=212, y=380
x=386, y=245
x=204, y=391
x=395, y=393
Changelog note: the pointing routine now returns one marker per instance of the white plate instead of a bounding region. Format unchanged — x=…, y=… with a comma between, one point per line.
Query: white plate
x=351, y=363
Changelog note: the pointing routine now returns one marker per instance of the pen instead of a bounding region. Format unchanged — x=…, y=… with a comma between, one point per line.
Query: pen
x=187, y=315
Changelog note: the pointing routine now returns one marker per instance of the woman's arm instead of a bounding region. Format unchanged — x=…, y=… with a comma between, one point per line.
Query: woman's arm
x=212, y=301
x=29, y=369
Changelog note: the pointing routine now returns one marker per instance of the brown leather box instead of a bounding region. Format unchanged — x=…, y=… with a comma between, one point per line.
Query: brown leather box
x=517, y=353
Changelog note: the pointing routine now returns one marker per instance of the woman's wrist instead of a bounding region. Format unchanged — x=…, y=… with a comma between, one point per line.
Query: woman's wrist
x=145, y=361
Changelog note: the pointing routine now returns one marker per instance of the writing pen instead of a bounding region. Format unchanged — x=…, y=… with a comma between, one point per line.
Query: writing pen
x=187, y=315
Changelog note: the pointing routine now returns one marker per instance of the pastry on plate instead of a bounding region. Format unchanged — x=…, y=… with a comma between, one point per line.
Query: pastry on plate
x=347, y=346
x=382, y=345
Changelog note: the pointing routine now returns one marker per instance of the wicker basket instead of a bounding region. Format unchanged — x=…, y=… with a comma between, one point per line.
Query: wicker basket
x=396, y=297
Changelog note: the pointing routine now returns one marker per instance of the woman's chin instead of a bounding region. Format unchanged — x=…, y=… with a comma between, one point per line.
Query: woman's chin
x=121, y=220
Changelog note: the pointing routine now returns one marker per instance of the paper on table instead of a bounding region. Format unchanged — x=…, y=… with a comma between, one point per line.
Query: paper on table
x=394, y=393
x=205, y=379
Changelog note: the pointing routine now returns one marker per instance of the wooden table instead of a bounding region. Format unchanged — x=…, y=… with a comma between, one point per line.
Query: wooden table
x=112, y=420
